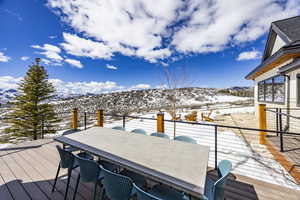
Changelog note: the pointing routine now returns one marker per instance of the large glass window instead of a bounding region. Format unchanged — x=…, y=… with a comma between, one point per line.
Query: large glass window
x=272, y=90
x=279, y=89
x=261, y=93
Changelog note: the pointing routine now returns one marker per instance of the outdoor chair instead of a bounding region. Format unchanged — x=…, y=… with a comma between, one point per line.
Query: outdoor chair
x=116, y=186
x=142, y=195
x=138, y=179
x=68, y=132
x=139, y=131
x=90, y=172
x=162, y=135
x=120, y=128
x=185, y=139
x=213, y=190
x=67, y=161
x=210, y=117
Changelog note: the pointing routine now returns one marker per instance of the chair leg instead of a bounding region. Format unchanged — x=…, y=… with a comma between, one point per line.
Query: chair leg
x=76, y=187
x=55, y=180
x=68, y=183
x=95, y=191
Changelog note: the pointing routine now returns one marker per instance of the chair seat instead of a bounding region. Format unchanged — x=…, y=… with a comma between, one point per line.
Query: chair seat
x=167, y=193
x=138, y=179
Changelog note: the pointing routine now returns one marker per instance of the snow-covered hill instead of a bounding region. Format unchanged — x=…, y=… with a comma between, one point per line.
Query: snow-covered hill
x=7, y=95
x=145, y=100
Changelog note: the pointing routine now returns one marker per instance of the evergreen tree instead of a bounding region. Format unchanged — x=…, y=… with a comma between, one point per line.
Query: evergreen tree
x=31, y=112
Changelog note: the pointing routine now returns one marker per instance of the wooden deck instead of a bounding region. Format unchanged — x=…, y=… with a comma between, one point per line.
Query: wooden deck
x=27, y=172
x=290, y=157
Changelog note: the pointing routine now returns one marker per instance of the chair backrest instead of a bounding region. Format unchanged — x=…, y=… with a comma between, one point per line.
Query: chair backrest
x=185, y=139
x=117, y=187
x=118, y=128
x=66, y=158
x=139, y=131
x=70, y=131
x=224, y=169
x=162, y=135
x=142, y=195
x=89, y=169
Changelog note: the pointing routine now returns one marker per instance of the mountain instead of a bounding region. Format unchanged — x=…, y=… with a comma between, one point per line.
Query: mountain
x=145, y=100
x=7, y=95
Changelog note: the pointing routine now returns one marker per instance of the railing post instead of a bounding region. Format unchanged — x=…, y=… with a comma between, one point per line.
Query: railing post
x=277, y=121
x=75, y=118
x=160, y=123
x=262, y=123
x=42, y=131
x=281, y=129
x=216, y=147
x=124, y=118
x=84, y=120
x=100, y=118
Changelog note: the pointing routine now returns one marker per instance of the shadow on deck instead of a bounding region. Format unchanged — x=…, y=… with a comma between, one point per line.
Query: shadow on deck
x=27, y=172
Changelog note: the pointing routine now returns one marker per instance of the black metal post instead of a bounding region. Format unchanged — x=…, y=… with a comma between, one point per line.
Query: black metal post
x=42, y=131
x=277, y=123
x=280, y=128
x=216, y=147
x=124, y=117
x=84, y=120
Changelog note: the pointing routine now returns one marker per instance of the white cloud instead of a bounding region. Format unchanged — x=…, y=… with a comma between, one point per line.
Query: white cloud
x=75, y=63
x=24, y=58
x=108, y=66
x=140, y=87
x=249, y=55
x=52, y=36
x=78, y=46
x=4, y=58
x=9, y=82
x=51, y=52
x=143, y=29
x=67, y=88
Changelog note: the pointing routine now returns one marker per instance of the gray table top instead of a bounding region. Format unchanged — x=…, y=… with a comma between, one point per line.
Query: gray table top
x=178, y=164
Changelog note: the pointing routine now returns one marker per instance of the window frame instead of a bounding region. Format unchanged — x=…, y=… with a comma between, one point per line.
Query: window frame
x=263, y=82
x=298, y=89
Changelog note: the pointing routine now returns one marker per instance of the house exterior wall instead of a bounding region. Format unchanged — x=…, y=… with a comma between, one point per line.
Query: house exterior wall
x=294, y=124
x=277, y=45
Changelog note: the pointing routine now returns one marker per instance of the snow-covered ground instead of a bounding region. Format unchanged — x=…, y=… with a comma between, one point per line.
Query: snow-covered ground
x=230, y=147
x=224, y=111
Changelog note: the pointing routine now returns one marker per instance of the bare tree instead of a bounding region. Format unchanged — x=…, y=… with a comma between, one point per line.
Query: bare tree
x=174, y=79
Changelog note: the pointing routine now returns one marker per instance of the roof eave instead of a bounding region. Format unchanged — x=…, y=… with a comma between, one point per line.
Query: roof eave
x=284, y=50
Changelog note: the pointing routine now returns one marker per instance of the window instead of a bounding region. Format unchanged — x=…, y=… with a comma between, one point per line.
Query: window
x=279, y=89
x=298, y=89
x=272, y=90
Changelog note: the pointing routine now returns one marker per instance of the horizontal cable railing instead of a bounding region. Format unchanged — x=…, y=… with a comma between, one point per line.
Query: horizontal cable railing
x=240, y=144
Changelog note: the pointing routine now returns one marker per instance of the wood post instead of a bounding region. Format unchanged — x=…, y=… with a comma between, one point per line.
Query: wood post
x=100, y=118
x=160, y=123
x=74, y=118
x=262, y=123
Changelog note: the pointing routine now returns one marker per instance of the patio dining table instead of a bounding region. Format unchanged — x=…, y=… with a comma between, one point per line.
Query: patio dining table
x=174, y=163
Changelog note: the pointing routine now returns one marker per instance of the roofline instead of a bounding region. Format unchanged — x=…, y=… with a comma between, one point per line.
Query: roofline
x=282, y=51
x=289, y=67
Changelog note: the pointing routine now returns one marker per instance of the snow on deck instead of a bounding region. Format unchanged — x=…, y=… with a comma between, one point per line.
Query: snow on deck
x=230, y=147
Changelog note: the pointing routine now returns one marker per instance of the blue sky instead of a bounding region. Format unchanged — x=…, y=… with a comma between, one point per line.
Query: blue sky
x=115, y=45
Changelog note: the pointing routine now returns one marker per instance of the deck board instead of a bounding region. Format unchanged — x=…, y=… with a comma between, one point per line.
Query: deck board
x=27, y=172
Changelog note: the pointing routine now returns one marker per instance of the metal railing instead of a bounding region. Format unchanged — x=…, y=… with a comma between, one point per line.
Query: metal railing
x=279, y=122
x=216, y=127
